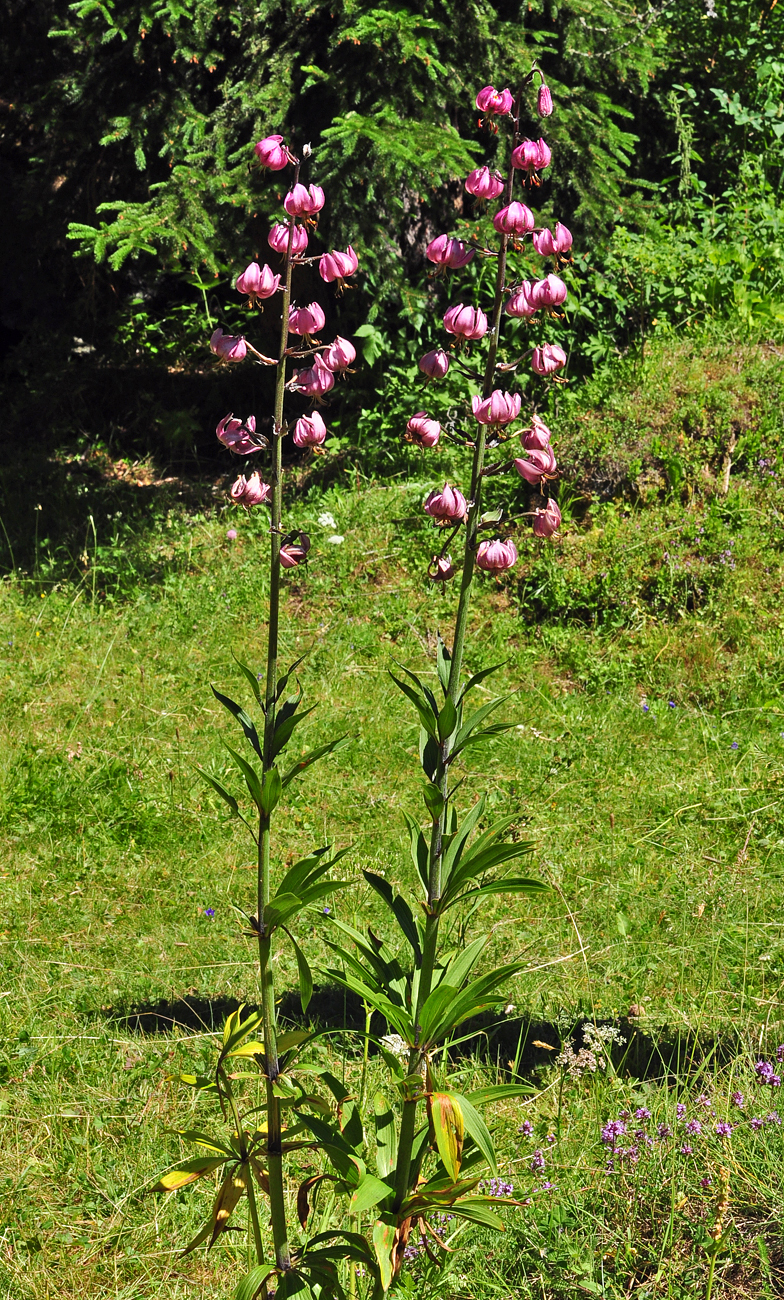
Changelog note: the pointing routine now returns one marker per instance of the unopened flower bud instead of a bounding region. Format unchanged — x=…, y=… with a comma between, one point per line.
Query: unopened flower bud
x=309, y=431
x=467, y=322
x=238, y=435
x=494, y=101
x=452, y=253
x=497, y=409
x=514, y=219
x=272, y=153
x=339, y=355
x=520, y=304
x=316, y=380
x=441, y=568
x=484, y=184
x=306, y=320
x=547, y=359
x=547, y=521
x=278, y=238
x=447, y=506
x=257, y=282
x=337, y=266
x=550, y=292
x=544, y=101
x=302, y=202
x=537, y=436
x=294, y=553
x=496, y=556
x=251, y=491
x=422, y=430
x=538, y=466
x=229, y=347
x=531, y=156
x=434, y=364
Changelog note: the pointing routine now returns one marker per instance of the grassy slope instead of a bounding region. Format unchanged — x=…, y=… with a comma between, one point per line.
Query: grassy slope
x=661, y=825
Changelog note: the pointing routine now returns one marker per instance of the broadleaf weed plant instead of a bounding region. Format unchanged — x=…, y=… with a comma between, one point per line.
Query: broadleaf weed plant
x=418, y=1161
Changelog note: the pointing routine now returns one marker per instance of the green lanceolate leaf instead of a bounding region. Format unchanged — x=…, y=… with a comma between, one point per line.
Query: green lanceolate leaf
x=477, y=1130
x=284, y=680
x=305, y=976
x=420, y=852
x=306, y=869
x=249, y=1286
x=313, y=756
x=477, y=863
x=271, y=791
x=251, y=735
x=429, y=754
x=251, y=679
x=386, y=1135
x=434, y=800
x=282, y=907
x=200, y=1139
x=447, y=719
x=499, y=1092
x=285, y=729
x=236, y=1030
x=368, y=1192
x=470, y=725
x=399, y=908
x=427, y=714
x=453, y=849
x=251, y=777
x=218, y=788
x=188, y=1172
x=478, y=678
x=446, y=1117
x=507, y=885
x=476, y=1209
x=458, y=970
x=384, y=1232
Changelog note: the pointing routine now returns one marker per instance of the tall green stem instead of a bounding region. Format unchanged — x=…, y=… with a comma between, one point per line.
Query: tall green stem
x=430, y=941
x=274, y=1131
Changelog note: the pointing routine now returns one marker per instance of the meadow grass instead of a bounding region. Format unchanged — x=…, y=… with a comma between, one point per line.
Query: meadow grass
x=642, y=658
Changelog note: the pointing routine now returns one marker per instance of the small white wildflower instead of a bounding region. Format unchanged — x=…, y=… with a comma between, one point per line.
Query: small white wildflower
x=327, y=520
x=336, y=539
x=396, y=1045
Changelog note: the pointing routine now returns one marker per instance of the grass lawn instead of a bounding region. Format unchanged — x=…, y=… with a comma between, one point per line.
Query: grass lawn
x=642, y=655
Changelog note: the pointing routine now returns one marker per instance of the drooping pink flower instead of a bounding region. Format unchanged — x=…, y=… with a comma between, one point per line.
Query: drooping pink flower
x=447, y=506
x=257, y=282
x=520, y=304
x=531, y=156
x=294, y=553
x=337, y=266
x=467, y=322
x=339, y=355
x=539, y=465
x=494, y=101
x=229, y=347
x=514, y=219
x=423, y=431
x=453, y=253
x=550, y=292
x=434, y=364
x=547, y=521
x=496, y=556
x=537, y=436
x=484, y=184
x=306, y=320
x=316, y=380
x=544, y=101
x=272, y=153
x=238, y=435
x=497, y=409
x=278, y=238
x=547, y=359
x=251, y=491
x=548, y=243
x=304, y=202
x=309, y=431
x=441, y=568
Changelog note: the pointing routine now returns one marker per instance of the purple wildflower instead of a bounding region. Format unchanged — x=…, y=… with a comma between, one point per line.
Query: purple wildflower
x=613, y=1129
x=209, y=911
x=537, y=1161
x=723, y=1129
x=704, y=1101
x=738, y=1100
x=526, y=1128
x=767, y=1074
x=705, y=1182
x=734, y=745
x=756, y=1123
x=680, y=1110
x=686, y=1150
x=664, y=1131
x=642, y=1112
x=694, y=1127
x=780, y=1052
x=773, y=1118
